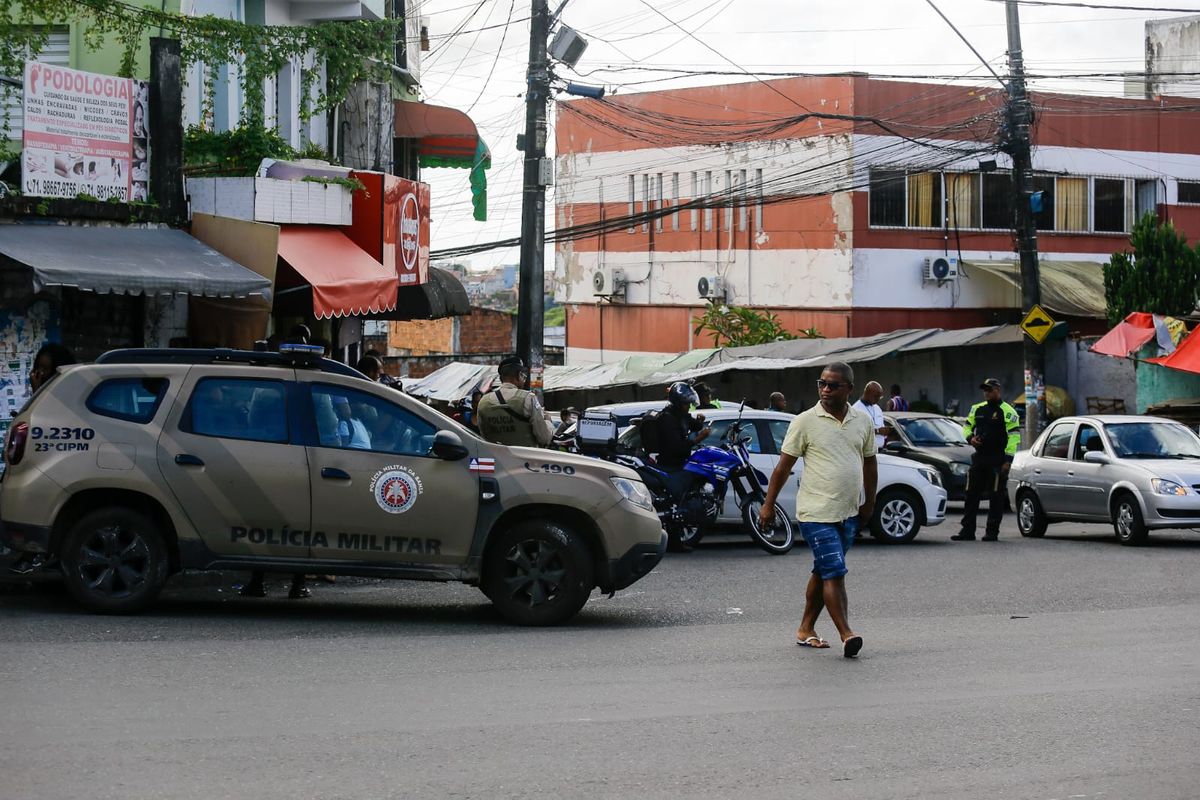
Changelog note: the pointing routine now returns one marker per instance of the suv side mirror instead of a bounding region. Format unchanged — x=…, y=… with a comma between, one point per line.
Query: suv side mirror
x=448, y=445
x=1096, y=457
x=896, y=447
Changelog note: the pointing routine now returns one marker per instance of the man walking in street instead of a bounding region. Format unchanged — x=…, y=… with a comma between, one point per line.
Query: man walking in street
x=838, y=447
x=869, y=405
x=511, y=414
x=994, y=430
x=897, y=401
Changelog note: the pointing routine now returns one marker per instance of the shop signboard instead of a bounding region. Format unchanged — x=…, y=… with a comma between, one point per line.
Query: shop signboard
x=391, y=222
x=85, y=134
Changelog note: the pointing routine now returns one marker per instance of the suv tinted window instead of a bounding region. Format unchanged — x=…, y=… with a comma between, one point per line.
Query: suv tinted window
x=239, y=408
x=355, y=420
x=130, y=399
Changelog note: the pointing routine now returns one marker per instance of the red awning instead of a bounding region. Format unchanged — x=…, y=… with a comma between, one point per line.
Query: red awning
x=440, y=131
x=1186, y=356
x=1128, y=337
x=344, y=279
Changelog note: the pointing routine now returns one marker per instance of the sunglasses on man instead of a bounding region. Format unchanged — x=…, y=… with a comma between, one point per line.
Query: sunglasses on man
x=831, y=385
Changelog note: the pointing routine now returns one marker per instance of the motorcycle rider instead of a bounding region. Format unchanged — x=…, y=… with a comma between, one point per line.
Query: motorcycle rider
x=675, y=434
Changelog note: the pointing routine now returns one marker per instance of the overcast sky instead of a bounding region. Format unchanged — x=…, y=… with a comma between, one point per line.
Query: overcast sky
x=482, y=72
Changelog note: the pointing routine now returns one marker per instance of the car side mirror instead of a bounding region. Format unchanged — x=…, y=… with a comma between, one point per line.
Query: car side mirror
x=1095, y=457
x=896, y=447
x=448, y=445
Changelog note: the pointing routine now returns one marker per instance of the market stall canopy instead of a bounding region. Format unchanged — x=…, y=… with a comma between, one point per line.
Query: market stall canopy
x=1186, y=356
x=1127, y=337
x=151, y=261
x=446, y=137
x=1073, y=288
x=452, y=382
x=344, y=279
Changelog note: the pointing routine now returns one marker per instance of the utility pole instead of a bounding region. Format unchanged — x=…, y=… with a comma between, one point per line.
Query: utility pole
x=530, y=302
x=1020, y=121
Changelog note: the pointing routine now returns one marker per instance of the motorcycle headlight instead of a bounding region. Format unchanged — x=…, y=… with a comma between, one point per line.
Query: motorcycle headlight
x=634, y=491
x=959, y=469
x=1163, y=486
x=931, y=475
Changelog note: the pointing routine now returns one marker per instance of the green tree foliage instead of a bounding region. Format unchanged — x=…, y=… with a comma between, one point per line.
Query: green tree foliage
x=1159, y=277
x=738, y=326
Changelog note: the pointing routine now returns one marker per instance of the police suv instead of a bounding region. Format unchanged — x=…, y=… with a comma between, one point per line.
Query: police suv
x=148, y=462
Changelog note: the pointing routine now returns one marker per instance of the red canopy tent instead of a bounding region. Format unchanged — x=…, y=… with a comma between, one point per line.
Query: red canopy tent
x=1186, y=356
x=1128, y=337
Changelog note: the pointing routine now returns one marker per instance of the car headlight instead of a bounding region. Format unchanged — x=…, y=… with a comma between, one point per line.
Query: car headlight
x=635, y=492
x=932, y=476
x=1163, y=486
x=959, y=469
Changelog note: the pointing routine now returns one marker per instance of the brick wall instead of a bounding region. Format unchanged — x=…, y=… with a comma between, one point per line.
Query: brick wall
x=486, y=331
x=421, y=337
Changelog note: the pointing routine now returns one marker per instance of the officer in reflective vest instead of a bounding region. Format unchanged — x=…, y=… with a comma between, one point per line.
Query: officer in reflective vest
x=511, y=415
x=994, y=430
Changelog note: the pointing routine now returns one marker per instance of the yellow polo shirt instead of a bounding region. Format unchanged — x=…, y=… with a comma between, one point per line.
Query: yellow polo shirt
x=833, y=454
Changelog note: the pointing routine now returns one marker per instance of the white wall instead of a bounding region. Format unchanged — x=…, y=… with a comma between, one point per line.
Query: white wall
x=1173, y=45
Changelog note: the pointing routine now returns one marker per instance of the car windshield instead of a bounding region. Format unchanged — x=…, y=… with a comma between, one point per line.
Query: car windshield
x=932, y=431
x=1153, y=440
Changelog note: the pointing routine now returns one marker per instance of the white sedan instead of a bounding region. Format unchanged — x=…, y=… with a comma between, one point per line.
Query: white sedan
x=909, y=494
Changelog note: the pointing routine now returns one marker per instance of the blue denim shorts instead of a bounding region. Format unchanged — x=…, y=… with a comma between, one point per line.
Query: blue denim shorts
x=829, y=542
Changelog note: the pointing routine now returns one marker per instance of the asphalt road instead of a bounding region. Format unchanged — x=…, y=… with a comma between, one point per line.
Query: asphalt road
x=1062, y=668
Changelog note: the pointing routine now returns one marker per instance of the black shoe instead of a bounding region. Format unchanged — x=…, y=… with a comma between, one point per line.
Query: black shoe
x=991, y=538
x=253, y=590
x=963, y=537
x=299, y=593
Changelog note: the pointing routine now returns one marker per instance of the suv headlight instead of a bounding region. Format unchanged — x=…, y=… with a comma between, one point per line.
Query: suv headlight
x=634, y=491
x=960, y=469
x=1163, y=486
x=931, y=475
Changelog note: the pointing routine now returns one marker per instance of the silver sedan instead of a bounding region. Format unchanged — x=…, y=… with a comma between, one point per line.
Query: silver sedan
x=1140, y=473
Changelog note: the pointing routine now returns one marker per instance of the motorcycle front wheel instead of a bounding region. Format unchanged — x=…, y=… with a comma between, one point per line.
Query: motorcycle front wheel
x=776, y=540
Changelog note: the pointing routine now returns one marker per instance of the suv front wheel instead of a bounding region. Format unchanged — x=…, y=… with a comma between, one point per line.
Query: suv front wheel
x=114, y=561
x=538, y=573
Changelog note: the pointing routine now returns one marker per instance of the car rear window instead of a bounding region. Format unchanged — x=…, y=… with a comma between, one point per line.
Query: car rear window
x=129, y=399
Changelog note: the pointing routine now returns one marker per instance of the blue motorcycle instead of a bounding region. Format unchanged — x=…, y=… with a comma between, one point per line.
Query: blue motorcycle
x=690, y=501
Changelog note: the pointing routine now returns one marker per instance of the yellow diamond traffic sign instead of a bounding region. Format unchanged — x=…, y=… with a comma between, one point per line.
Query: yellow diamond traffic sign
x=1037, y=324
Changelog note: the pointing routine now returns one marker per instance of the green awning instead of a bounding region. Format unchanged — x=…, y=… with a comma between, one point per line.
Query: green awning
x=446, y=137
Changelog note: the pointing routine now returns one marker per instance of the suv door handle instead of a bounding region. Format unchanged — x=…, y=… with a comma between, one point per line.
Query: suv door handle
x=188, y=460
x=334, y=474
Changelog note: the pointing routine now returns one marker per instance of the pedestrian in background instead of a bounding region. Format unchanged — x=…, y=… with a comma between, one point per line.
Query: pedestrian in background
x=705, y=393
x=46, y=363
x=897, y=401
x=777, y=402
x=869, y=405
x=994, y=430
x=836, y=442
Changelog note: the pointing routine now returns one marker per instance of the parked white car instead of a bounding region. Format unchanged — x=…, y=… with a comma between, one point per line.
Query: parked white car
x=910, y=495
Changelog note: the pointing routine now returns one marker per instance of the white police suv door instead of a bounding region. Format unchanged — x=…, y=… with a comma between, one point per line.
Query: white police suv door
x=378, y=493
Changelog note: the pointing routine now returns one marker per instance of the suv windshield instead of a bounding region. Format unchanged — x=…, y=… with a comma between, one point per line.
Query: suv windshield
x=932, y=431
x=1153, y=440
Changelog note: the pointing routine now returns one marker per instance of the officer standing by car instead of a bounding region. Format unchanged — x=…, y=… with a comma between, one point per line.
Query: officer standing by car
x=994, y=430
x=511, y=414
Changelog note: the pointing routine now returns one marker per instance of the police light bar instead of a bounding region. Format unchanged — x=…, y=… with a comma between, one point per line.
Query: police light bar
x=315, y=350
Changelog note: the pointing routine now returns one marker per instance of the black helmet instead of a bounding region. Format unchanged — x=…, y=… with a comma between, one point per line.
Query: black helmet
x=682, y=396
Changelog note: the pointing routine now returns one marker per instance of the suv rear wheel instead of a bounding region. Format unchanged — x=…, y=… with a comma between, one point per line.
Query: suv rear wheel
x=538, y=573
x=114, y=561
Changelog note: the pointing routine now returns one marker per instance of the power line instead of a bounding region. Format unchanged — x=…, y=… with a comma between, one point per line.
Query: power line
x=965, y=40
x=1097, y=6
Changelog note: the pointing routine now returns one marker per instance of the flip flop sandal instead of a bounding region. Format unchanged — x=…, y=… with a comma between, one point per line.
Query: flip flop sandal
x=815, y=642
x=851, y=646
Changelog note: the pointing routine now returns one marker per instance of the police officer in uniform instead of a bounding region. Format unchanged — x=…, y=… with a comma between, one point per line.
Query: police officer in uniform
x=511, y=414
x=994, y=430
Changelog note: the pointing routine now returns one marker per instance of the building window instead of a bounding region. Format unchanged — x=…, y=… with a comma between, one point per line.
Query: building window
x=924, y=200
x=758, y=204
x=1071, y=205
x=1189, y=191
x=632, y=202
x=1110, y=205
x=730, y=199
x=708, y=199
x=1044, y=218
x=658, y=202
x=997, y=204
x=886, y=201
x=962, y=200
x=674, y=201
x=694, y=214
x=1145, y=199
x=646, y=202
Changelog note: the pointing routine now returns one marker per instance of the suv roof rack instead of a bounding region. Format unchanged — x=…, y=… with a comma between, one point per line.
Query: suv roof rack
x=225, y=355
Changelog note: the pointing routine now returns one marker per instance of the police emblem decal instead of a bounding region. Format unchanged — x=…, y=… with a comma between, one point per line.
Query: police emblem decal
x=396, y=489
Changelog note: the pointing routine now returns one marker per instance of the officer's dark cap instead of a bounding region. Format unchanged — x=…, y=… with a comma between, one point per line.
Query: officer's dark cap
x=509, y=363
x=990, y=383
